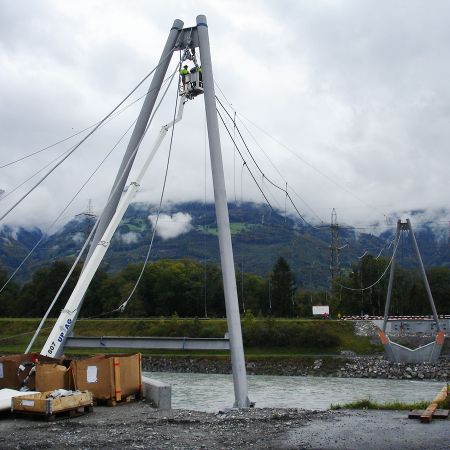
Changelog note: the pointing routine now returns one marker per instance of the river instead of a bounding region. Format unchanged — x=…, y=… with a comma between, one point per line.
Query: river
x=212, y=392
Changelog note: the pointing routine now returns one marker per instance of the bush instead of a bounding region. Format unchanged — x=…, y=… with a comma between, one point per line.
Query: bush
x=288, y=335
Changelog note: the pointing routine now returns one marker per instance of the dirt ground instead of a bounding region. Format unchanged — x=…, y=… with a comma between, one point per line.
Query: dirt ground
x=138, y=425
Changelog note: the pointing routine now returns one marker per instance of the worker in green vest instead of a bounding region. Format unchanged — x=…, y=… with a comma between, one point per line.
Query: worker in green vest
x=198, y=69
x=183, y=72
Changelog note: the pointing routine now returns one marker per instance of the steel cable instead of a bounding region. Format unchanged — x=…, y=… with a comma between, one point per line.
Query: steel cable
x=84, y=139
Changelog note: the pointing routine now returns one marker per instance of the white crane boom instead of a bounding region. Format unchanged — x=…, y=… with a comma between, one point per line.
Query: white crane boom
x=54, y=345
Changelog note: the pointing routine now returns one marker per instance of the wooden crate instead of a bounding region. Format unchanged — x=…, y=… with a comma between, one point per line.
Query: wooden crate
x=39, y=405
x=112, y=379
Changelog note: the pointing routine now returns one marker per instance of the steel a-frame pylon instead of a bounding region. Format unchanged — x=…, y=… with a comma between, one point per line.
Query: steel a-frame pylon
x=399, y=353
x=183, y=39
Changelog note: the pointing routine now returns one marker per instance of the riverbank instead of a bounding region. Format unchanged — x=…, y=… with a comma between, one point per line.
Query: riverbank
x=341, y=367
x=140, y=426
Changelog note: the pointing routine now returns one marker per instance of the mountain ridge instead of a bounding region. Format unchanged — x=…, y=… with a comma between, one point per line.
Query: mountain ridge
x=259, y=236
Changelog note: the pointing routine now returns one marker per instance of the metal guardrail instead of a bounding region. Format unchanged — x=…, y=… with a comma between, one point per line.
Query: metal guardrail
x=154, y=343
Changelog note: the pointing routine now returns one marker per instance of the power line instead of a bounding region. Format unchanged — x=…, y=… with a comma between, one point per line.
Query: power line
x=63, y=153
x=278, y=171
x=262, y=173
x=45, y=234
x=147, y=256
x=120, y=111
x=300, y=157
x=243, y=159
x=379, y=279
x=98, y=220
x=83, y=140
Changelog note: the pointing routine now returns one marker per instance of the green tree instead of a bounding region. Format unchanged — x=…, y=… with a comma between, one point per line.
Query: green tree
x=9, y=297
x=37, y=295
x=282, y=285
x=439, y=279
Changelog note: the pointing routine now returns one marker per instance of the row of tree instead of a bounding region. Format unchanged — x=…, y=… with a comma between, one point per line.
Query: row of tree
x=351, y=296
x=192, y=289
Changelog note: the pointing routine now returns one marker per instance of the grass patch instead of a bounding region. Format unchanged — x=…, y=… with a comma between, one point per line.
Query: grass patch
x=262, y=337
x=366, y=403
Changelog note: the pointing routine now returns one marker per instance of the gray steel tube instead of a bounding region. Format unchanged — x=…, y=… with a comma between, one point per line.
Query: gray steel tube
x=135, y=139
x=424, y=275
x=391, y=279
x=223, y=223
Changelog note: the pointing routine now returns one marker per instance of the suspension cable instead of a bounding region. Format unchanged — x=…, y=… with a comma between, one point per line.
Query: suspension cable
x=339, y=185
x=45, y=234
x=122, y=307
x=63, y=285
x=285, y=191
x=379, y=279
x=98, y=219
x=243, y=159
x=113, y=116
x=278, y=171
x=85, y=138
x=63, y=153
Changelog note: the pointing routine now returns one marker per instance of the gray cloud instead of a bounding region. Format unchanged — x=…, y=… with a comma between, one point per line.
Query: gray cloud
x=356, y=90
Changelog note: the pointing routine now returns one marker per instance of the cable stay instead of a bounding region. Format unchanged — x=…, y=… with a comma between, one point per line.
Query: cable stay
x=98, y=218
x=244, y=161
x=67, y=138
x=188, y=94
x=50, y=227
x=284, y=190
x=61, y=288
x=55, y=342
x=84, y=184
x=10, y=192
x=362, y=256
x=277, y=170
x=301, y=158
x=83, y=140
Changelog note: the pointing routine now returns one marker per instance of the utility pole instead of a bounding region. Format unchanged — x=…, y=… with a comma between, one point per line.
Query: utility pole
x=334, y=247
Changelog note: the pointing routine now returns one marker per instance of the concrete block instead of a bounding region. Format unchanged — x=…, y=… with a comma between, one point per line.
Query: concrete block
x=157, y=392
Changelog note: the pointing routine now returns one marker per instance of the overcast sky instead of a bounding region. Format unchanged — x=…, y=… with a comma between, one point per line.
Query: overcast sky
x=348, y=102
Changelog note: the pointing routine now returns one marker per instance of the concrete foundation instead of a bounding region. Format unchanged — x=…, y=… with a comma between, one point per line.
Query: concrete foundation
x=157, y=392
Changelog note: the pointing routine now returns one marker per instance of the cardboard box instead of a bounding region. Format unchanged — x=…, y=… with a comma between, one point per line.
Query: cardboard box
x=53, y=376
x=15, y=369
x=109, y=377
x=39, y=403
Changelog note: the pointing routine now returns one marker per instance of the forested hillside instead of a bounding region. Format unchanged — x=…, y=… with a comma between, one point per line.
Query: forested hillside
x=189, y=230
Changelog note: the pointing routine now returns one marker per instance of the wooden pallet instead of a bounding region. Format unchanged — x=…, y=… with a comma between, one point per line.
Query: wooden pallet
x=64, y=414
x=115, y=401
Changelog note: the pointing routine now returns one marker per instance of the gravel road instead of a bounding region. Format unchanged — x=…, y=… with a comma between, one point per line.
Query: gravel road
x=138, y=425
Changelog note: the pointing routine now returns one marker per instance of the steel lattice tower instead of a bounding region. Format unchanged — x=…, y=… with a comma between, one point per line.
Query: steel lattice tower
x=334, y=246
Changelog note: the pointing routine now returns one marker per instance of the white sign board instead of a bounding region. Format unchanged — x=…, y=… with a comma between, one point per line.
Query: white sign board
x=91, y=374
x=321, y=310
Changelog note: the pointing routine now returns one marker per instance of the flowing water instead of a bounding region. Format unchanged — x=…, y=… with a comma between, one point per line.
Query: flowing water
x=212, y=392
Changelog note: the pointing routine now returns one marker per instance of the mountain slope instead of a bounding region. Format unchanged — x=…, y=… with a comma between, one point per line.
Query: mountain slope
x=189, y=230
